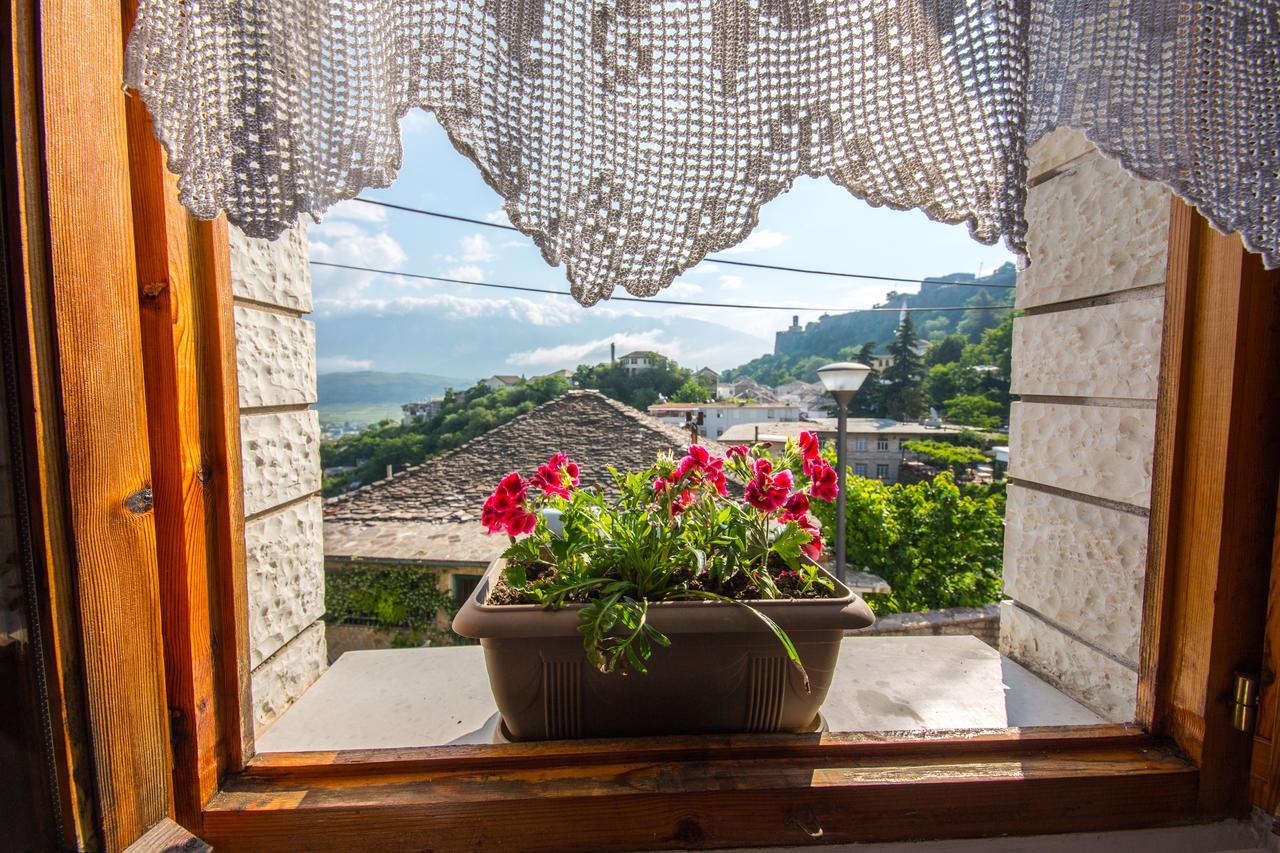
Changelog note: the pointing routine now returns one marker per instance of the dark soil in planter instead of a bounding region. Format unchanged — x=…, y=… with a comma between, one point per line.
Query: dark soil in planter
x=740, y=587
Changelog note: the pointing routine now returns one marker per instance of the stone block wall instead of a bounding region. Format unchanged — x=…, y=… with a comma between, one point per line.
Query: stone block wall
x=280, y=444
x=1086, y=357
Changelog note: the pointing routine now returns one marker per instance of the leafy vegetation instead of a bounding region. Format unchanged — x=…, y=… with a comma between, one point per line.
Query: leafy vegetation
x=401, y=600
x=364, y=457
x=955, y=456
x=642, y=388
x=937, y=544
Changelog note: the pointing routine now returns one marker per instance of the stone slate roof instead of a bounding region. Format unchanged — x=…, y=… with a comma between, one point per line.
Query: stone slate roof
x=431, y=512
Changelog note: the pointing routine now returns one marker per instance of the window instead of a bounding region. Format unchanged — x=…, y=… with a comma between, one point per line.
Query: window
x=882, y=472
x=860, y=445
x=463, y=586
x=882, y=444
x=860, y=469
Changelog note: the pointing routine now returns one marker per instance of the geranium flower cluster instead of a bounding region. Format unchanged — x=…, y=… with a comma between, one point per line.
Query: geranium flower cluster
x=780, y=490
x=506, y=510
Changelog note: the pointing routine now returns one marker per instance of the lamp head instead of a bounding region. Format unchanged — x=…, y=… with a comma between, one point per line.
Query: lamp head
x=843, y=378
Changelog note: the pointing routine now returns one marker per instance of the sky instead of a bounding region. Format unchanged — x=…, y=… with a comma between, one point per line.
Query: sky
x=815, y=225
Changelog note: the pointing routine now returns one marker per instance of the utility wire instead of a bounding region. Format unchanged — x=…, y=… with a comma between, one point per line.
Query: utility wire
x=718, y=260
x=651, y=301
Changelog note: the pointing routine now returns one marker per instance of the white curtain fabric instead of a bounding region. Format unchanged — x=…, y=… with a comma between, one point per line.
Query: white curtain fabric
x=631, y=138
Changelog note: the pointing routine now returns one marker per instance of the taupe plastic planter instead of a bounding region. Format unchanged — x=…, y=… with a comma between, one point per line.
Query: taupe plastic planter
x=724, y=671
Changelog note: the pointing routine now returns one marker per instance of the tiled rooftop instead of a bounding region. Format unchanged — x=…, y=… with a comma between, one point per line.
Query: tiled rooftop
x=431, y=511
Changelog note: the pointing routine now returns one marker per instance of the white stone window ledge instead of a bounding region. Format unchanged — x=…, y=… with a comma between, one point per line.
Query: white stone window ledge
x=399, y=698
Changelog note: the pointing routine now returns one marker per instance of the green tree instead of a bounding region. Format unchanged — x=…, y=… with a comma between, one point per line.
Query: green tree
x=903, y=386
x=974, y=411
x=691, y=392
x=984, y=314
x=936, y=544
x=945, y=351
x=957, y=457
x=948, y=380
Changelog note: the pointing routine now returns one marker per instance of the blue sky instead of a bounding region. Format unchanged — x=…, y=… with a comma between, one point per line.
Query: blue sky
x=816, y=225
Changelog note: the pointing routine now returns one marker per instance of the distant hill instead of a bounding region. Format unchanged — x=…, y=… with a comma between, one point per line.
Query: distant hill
x=372, y=386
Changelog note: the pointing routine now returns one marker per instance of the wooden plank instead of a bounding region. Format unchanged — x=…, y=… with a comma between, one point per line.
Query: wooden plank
x=169, y=281
x=715, y=802
x=168, y=837
x=299, y=766
x=1215, y=523
x=38, y=398
x=223, y=458
x=103, y=412
x=1265, y=762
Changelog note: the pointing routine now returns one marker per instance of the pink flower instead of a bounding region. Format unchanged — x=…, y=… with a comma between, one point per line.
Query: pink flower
x=810, y=451
x=519, y=521
x=737, y=450
x=681, y=502
x=824, y=482
x=701, y=467
x=699, y=454
x=557, y=476
x=762, y=467
x=796, y=507
x=659, y=485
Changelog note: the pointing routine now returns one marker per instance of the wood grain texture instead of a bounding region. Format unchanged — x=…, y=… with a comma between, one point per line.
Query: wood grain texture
x=1265, y=761
x=103, y=408
x=168, y=837
x=38, y=396
x=1218, y=493
x=169, y=281
x=989, y=787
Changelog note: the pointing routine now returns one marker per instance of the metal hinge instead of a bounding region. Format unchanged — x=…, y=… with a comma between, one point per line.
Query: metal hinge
x=1244, y=702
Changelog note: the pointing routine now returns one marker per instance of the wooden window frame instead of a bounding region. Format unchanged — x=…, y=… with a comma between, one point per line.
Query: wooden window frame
x=123, y=310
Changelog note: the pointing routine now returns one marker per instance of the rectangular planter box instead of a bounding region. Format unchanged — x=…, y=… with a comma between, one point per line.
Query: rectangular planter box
x=724, y=672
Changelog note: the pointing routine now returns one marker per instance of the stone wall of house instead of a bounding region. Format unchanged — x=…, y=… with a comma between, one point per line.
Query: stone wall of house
x=280, y=440
x=1086, y=357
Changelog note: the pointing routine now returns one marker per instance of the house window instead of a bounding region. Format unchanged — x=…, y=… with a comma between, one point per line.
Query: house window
x=860, y=469
x=882, y=472
x=860, y=445
x=463, y=586
x=882, y=444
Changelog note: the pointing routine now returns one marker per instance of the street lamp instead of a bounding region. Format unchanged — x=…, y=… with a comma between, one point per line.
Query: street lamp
x=842, y=380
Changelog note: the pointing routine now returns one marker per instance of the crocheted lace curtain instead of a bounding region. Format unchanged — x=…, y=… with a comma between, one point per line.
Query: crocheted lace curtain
x=630, y=138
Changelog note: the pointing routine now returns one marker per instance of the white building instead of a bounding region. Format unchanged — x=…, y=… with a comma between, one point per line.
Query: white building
x=638, y=360
x=423, y=410
x=499, y=381
x=714, y=419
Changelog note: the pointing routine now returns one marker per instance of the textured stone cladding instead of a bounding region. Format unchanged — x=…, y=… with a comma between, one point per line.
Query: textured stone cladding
x=280, y=448
x=1085, y=366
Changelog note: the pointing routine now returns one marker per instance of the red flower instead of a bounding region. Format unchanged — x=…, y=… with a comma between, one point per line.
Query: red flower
x=504, y=510
x=737, y=450
x=796, y=507
x=824, y=482
x=809, y=449
x=812, y=548
x=768, y=492
x=703, y=467
x=681, y=502
x=659, y=485
x=557, y=476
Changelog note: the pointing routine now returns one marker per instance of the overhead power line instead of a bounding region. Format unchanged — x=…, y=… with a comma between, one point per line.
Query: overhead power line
x=713, y=259
x=654, y=300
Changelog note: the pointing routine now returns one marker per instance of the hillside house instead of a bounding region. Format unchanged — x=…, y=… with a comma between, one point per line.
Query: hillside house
x=638, y=360
x=707, y=377
x=423, y=410
x=874, y=447
x=715, y=419
x=501, y=381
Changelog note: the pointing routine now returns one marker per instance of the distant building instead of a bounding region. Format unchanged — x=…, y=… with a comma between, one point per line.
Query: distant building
x=873, y=449
x=500, y=381
x=708, y=377
x=423, y=410
x=718, y=418
x=427, y=517
x=789, y=339
x=638, y=360
x=746, y=388
x=566, y=374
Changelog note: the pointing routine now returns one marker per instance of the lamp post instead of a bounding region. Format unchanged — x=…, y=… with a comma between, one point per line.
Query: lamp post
x=842, y=380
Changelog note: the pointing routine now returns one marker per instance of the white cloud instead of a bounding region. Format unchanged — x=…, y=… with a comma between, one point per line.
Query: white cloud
x=356, y=211
x=466, y=272
x=759, y=239
x=345, y=242
x=682, y=289
x=454, y=307
x=704, y=268
x=476, y=249
x=341, y=363
x=415, y=121
x=497, y=217
x=595, y=350
x=730, y=282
